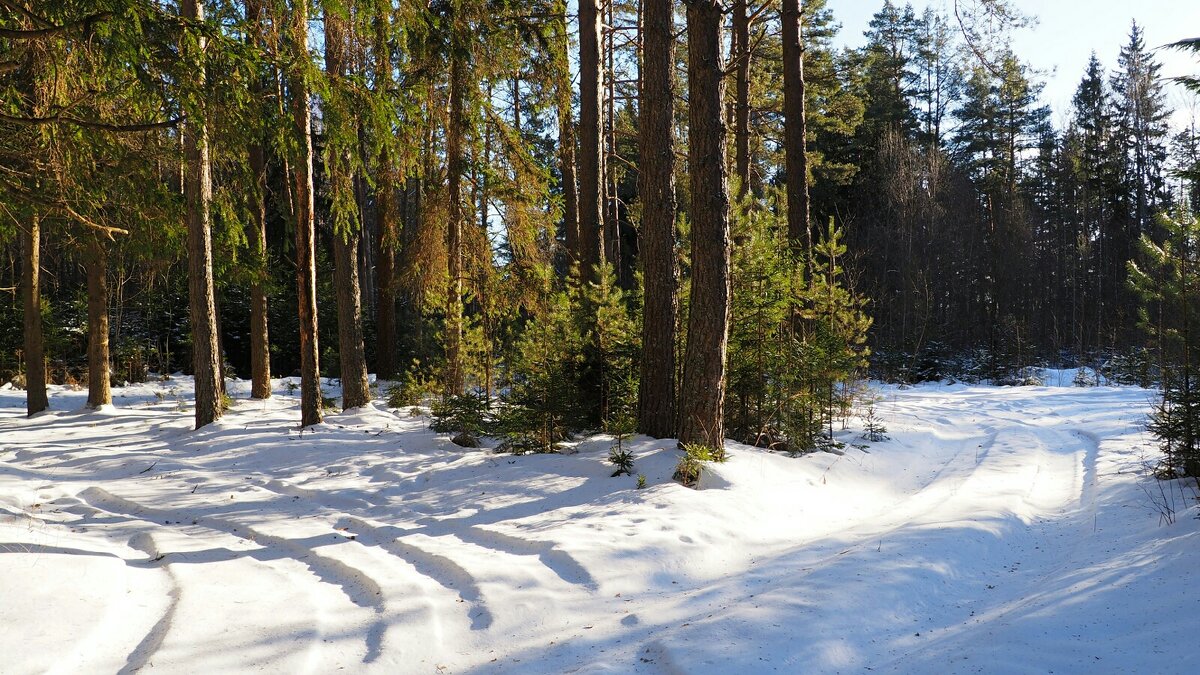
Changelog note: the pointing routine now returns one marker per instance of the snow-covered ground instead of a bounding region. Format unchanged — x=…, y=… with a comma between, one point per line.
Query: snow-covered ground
x=999, y=530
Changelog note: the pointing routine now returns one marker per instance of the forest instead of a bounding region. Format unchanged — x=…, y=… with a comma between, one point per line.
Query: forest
x=593, y=336
x=697, y=221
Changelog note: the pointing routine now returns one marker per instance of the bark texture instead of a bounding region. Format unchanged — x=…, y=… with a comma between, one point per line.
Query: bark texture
x=347, y=287
x=387, y=220
x=701, y=408
x=456, y=160
x=741, y=97
x=206, y=362
x=34, y=345
x=260, y=343
x=302, y=186
x=99, y=372
x=794, y=143
x=590, y=158
x=656, y=189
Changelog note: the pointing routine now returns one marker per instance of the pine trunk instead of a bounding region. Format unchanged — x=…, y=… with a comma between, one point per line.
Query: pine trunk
x=346, y=233
x=260, y=343
x=701, y=414
x=387, y=216
x=656, y=188
x=741, y=112
x=566, y=163
x=794, y=143
x=35, y=354
x=590, y=158
x=99, y=387
x=456, y=166
x=206, y=362
x=302, y=185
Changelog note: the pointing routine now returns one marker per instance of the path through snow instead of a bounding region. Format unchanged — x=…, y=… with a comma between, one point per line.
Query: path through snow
x=998, y=530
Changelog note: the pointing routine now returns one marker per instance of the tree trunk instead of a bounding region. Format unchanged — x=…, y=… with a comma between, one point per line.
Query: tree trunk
x=260, y=343
x=566, y=151
x=794, y=143
x=346, y=227
x=590, y=156
x=206, y=362
x=35, y=354
x=302, y=185
x=456, y=166
x=99, y=387
x=701, y=414
x=656, y=190
x=741, y=106
x=387, y=214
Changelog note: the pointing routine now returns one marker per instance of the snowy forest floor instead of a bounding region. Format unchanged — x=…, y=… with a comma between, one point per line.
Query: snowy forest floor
x=998, y=530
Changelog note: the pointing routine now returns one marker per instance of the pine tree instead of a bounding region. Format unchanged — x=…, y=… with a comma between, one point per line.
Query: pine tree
x=702, y=395
x=301, y=164
x=1167, y=277
x=656, y=191
x=1143, y=123
x=198, y=193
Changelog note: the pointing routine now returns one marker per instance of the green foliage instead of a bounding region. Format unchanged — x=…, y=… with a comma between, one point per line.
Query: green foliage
x=691, y=463
x=622, y=458
x=620, y=455
x=573, y=367
x=542, y=406
x=641, y=481
x=612, y=344
x=465, y=415
x=874, y=429
x=414, y=388
x=1168, y=281
x=796, y=338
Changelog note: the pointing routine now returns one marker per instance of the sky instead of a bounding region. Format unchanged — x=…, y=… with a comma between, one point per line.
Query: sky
x=1066, y=33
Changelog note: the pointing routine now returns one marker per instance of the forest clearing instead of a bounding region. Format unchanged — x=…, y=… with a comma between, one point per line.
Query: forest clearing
x=599, y=336
x=999, y=529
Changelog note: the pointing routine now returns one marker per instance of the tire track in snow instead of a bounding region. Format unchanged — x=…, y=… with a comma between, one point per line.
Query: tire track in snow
x=356, y=585
x=142, y=653
x=441, y=569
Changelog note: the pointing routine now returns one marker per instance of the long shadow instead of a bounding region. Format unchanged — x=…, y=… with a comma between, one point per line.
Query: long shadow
x=357, y=586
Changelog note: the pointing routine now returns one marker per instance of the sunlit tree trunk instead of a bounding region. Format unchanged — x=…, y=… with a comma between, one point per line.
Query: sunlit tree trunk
x=99, y=374
x=260, y=343
x=656, y=190
x=31, y=292
x=794, y=143
x=198, y=194
x=346, y=229
x=701, y=407
x=456, y=166
x=590, y=157
x=302, y=185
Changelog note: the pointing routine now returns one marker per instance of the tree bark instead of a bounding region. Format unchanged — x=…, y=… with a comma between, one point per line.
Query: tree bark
x=99, y=385
x=701, y=408
x=656, y=190
x=35, y=348
x=206, y=362
x=566, y=151
x=302, y=185
x=795, y=145
x=260, y=343
x=387, y=216
x=590, y=158
x=346, y=229
x=741, y=111
x=456, y=166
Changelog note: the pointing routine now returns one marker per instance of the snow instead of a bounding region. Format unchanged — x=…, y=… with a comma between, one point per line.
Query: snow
x=1000, y=529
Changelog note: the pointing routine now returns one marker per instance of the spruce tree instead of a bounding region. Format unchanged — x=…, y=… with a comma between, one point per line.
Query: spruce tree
x=1167, y=278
